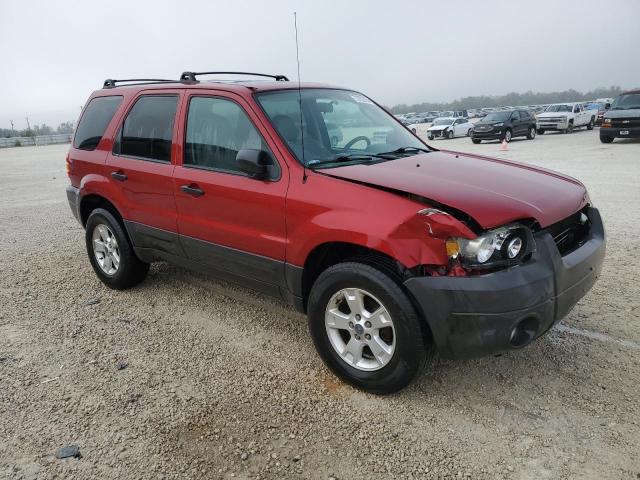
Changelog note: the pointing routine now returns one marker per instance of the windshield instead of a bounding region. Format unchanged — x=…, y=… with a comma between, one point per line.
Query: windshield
x=336, y=125
x=560, y=108
x=497, y=117
x=443, y=121
x=626, y=102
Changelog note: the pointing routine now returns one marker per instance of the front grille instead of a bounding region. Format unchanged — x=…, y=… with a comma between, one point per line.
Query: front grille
x=625, y=122
x=483, y=128
x=551, y=119
x=570, y=233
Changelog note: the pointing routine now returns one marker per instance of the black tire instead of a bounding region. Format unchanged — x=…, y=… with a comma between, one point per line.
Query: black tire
x=476, y=140
x=413, y=346
x=606, y=139
x=569, y=128
x=469, y=132
x=591, y=124
x=541, y=131
x=507, y=135
x=131, y=270
x=430, y=137
x=450, y=134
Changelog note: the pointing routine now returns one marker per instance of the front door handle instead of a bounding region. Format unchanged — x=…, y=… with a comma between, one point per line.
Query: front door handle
x=192, y=189
x=119, y=175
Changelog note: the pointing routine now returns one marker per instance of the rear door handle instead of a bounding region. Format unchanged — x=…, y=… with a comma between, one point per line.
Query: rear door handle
x=119, y=175
x=192, y=189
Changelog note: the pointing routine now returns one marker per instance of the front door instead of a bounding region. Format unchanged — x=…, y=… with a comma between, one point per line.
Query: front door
x=227, y=220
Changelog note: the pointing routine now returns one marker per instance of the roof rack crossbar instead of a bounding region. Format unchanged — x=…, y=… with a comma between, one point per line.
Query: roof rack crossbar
x=191, y=76
x=110, y=82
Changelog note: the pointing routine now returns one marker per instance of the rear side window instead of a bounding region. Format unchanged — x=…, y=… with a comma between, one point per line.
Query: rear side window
x=95, y=118
x=148, y=129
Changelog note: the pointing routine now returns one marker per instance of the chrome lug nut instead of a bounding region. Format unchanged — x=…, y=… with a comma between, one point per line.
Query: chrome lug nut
x=358, y=317
x=367, y=336
x=367, y=324
x=350, y=324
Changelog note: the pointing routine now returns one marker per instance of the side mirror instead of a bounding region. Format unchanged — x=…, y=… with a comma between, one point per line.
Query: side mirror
x=607, y=106
x=254, y=162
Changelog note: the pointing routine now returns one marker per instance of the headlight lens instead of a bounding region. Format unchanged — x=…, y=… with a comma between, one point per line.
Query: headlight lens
x=498, y=124
x=607, y=120
x=500, y=247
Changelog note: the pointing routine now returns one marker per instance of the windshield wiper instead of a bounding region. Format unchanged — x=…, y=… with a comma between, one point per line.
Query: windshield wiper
x=409, y=150
x=350, y=157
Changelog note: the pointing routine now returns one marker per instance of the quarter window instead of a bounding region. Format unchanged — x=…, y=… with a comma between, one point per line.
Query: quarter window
x=95, y=118
x=148, y=129
x=216, y=130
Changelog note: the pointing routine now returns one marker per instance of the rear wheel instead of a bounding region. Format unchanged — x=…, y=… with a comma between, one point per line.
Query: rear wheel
x=532, y=133
x=366, y=329
x=591, y=124
x=430, y=137
x=606, y=139
x=110, y=252
x=476, y=140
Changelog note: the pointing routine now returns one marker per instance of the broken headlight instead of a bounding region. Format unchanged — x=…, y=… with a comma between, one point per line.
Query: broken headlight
x=500, y=247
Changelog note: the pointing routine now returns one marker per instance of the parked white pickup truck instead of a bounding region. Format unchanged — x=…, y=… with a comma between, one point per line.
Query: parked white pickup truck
x=565, y=117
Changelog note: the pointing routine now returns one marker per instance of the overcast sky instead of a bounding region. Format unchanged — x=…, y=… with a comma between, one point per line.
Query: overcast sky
x=55, y=53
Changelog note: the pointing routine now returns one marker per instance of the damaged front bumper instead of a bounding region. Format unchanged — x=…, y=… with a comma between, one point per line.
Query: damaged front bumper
x=479, y=315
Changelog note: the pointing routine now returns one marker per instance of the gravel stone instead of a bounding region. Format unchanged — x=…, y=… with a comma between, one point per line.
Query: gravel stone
x=221, y=371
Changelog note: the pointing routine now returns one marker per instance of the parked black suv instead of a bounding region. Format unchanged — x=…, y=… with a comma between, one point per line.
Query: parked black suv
x=504, y=126
x=622, y=119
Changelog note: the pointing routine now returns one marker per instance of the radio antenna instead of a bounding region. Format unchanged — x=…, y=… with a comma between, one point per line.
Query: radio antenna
x=304, y=163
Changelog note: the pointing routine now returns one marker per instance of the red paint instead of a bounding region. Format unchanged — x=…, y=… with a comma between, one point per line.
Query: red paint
x=288, y=218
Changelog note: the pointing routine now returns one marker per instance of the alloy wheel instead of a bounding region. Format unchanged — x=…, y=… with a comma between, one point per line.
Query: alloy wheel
x=105, y=249
x=360, y=329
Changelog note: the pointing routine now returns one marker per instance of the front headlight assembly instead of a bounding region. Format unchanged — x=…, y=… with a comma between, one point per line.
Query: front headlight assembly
x=501, y=247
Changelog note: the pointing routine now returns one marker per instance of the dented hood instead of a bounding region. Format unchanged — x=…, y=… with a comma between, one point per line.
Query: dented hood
x=493, y=192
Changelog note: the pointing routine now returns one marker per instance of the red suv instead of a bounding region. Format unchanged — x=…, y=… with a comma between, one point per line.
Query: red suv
x=394, y=249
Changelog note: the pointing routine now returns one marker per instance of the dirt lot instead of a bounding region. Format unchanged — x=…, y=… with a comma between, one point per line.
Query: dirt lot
x=188, y=377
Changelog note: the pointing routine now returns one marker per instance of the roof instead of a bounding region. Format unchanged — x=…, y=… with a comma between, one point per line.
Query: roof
x=232, y=86
x=631, y=92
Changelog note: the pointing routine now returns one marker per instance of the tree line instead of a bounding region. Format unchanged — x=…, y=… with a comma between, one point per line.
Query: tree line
x=512, y=99
x=35, y=130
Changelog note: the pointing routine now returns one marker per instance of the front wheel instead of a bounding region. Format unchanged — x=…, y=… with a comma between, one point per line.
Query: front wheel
x=430, y=137
x=532, y=133
x=591, y=124
x=541, y=131
x=476, y=140
x=469, y=133
x=110, y=252
x=569, y=128
x=450, y=134
x=507, y=136
x=366, y=328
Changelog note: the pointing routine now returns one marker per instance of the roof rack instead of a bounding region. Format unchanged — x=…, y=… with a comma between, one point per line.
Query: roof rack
x=110, y=83
x=191, y=76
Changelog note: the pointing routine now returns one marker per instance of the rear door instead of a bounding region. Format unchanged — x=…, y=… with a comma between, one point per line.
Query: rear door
x=228, y=221
x=516, y=123
x=141, y=167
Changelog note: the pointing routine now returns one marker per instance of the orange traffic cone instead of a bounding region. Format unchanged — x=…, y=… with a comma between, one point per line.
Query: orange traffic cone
x=504, y=147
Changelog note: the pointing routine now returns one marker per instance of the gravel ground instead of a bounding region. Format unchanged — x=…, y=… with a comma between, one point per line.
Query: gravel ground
x=189, y=377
